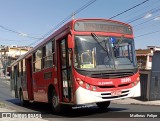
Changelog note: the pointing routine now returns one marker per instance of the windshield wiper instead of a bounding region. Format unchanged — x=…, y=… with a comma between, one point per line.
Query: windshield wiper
x=97, y=40
x=106, y=48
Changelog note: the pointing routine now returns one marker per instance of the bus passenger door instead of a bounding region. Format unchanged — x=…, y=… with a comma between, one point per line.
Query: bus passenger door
x=63, y=65
x=29, y=78
x=15, y=81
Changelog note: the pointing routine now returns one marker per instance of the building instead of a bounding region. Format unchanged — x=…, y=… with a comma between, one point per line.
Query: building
x=9, y=54
x=144, y=57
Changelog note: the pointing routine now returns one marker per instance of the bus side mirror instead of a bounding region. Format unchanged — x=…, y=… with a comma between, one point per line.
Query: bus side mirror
x=70, y=42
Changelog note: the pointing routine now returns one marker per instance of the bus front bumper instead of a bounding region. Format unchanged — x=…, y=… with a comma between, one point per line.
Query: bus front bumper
x=84, y=96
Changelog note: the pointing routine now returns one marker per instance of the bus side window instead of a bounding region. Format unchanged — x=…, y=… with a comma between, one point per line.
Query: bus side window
x=53, y=51
x=12, y=72
x=38, y=57
x=43, y=56
x=19, y=69
x=22, y=68
x=48, y=61
x=34, y=58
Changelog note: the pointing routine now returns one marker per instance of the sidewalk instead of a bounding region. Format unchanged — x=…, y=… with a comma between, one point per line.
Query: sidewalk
x=137, y=102
x=5, y=79
x=6, y=111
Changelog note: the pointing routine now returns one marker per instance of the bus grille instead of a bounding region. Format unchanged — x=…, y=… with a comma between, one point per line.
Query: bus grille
x=112, y=75
x=114, y=96
x=113, y=86
x=109, y=96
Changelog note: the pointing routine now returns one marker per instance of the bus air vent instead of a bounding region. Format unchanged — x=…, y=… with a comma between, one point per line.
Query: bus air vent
x=112, y=86
x=124, y=85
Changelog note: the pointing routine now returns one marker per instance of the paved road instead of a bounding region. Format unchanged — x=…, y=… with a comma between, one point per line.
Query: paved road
x=5, y=93
x=85, y=113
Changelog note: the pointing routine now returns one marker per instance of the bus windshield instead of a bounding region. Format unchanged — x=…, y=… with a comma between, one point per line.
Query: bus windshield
x=104, y=53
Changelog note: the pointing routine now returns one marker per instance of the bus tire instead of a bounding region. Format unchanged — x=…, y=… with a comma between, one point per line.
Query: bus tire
x=54, y=102
x=22, y=101
x=103, y=105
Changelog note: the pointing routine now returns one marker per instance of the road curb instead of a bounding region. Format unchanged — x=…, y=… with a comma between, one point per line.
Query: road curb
x=137, y=102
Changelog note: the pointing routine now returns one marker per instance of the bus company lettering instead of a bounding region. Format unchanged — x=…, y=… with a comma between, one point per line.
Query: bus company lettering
x=105, y=83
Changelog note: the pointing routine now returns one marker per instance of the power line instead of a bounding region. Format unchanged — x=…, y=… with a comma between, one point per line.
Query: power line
x=70, y=16
x=1, y=39
x=129, y=9
x=18, y=33
x=140, y=28
x=142, y=15
x=57, y=26
x=146, y=21
x=149, y=33
x=79, y=10
x=152, y=11
x=82, y=8
x=66, y=19
x=137, y=11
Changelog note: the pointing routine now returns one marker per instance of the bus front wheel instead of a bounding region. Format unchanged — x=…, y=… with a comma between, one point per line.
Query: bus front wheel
x=56, y=107
x=103, y=105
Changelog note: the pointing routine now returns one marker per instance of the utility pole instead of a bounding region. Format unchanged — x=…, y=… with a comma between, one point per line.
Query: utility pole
x=73, y=15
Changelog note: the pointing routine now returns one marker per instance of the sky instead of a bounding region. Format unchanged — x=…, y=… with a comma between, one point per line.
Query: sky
x=24, y=22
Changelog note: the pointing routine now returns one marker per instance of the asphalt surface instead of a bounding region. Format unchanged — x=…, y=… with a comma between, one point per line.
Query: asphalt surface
x=5, y=93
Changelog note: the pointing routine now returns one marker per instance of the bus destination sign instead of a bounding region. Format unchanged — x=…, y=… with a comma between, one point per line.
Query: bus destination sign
x=102, y=26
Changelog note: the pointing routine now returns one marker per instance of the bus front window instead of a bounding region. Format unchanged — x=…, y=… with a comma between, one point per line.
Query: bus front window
x=105, y=53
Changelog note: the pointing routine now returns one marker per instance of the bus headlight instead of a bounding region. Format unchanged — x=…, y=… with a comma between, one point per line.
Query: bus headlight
x=133, y=84
x=87, y=86
x=138, y=78
x=136, y=82
x=94, y=88
x=80, y=82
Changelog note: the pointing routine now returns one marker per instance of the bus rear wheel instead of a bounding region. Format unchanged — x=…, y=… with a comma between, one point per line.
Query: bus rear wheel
x=22, y=101
x=103, y=105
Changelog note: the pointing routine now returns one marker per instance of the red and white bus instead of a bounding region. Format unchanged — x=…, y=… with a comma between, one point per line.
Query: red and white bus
x=85, y=61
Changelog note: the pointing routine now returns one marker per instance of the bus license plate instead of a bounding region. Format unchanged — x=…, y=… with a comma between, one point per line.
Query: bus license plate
x=116, y=93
